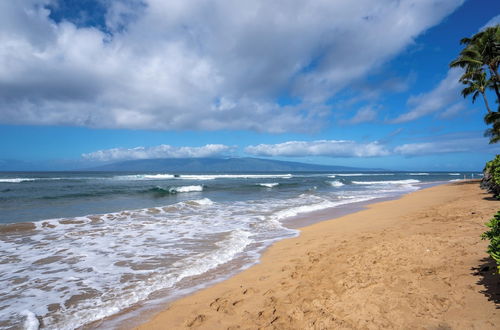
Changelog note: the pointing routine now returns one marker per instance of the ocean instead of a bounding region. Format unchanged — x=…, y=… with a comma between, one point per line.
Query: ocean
x=79, y=247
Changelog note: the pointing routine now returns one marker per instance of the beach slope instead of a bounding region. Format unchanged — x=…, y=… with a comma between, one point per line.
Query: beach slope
x=416, y=262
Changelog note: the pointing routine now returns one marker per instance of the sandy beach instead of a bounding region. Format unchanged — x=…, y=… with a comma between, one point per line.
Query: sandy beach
x=417, y=262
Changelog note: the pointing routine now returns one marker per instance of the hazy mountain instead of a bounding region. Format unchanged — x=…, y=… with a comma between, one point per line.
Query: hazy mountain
x=217, y=165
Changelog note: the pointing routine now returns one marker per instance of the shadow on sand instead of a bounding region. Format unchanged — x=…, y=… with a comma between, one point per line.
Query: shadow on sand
x=487, y=274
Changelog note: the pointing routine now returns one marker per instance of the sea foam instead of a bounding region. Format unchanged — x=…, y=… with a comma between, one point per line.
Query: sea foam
x=335, y=183
x=363, y=174
x=185, y=189
x=16, y=180
x=389, y=182
x=234, y=176
x=269, y=185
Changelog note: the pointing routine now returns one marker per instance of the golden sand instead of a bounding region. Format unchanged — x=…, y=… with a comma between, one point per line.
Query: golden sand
x=413, y=263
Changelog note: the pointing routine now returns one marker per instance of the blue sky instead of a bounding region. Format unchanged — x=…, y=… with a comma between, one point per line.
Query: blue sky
x=345, y=83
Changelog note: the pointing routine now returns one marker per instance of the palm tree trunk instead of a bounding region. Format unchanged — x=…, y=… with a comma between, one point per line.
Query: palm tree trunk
x=486, y=102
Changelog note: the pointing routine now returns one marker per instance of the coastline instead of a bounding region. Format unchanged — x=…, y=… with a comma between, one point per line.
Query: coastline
x=396, y=263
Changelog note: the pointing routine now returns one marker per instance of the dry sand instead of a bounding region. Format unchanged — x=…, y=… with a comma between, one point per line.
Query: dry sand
x=417, y=262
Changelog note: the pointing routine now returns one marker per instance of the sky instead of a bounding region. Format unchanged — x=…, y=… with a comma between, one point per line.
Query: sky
x=353, y=83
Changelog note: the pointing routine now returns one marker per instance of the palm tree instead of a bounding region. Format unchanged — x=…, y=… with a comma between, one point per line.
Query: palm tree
x=480, y=52
x=480, y=57
x=477, y=83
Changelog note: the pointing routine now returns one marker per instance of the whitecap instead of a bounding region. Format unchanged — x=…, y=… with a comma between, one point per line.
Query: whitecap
x=410, y=181
x=335, y=183
x=145, y=177
x=16, y=180
x=185, y=189
x=234, y=176
x=269, y=185
x=363, y=174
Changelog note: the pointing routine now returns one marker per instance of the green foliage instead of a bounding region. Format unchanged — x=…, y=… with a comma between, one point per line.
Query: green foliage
x=493, y=234
x=480, y=59
x=493, y=118
x=493, y=168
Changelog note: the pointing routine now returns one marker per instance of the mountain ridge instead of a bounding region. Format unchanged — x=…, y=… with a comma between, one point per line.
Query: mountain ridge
x=223, y=165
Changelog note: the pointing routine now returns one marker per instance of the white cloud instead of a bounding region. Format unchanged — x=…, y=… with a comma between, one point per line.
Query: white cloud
x=443, y=144
x=329, y=148
x=452, y=111
x=365, y=114
x=448, y=144
x=198, y=65
x=452, y=143
x=444, y=97
x=492, y=22
x=161, y=151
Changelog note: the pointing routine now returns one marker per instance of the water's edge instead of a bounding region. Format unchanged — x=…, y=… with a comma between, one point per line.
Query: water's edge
x=137, y=315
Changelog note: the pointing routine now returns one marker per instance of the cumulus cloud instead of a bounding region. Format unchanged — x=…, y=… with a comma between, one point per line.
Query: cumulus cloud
x=198, y=65
x=444, y=144
x=444, y=98
x=330, y=148
x=161, y=151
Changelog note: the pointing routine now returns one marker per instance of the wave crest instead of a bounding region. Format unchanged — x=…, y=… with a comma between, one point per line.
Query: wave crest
x=336, y=183
x=410, y=181
x=269, y=185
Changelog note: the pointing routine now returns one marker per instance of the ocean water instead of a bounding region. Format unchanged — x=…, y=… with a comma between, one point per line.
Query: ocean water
x=79, y=247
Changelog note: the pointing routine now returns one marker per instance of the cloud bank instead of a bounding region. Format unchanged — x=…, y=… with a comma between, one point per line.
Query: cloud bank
x=161, y=151
x=444, y=144
x=208, y=65
x=330, y=148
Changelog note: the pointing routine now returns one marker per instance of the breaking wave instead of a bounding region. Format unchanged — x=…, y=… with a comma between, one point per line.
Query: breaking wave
x=410, y=181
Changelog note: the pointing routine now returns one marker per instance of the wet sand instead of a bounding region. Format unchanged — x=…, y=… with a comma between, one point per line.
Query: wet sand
x=417, y=262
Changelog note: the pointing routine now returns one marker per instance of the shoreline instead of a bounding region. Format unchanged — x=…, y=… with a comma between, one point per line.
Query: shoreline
x=131, y=317
x=212, y=306
x=134, y=316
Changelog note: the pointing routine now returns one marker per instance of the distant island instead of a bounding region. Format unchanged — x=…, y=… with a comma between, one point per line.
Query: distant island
x=216, y=165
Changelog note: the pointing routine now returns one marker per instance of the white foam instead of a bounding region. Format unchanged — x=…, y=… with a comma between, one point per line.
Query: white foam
x=455, y=180
x=362, y=174
x=335, y=183
x=291, y=212
x=16, y=180
x=318, y=204
x=31, y=322
x=453, y=173
x=204, y=201
x=418, y=173
x=144, y=177
x=269, y=185
x=184, y=189
x=159, y=176
x=390, y=182
x=234, y=176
